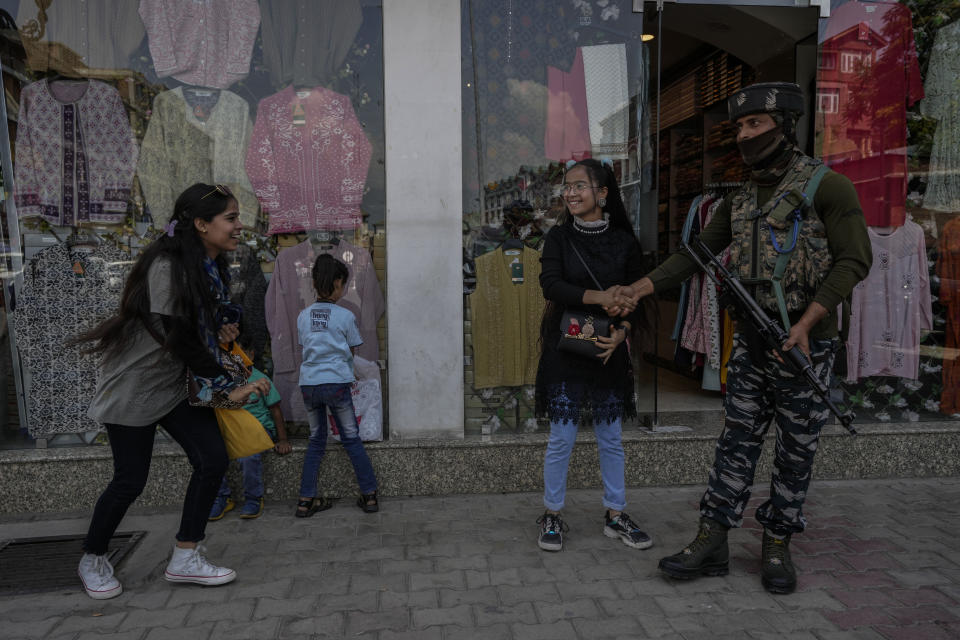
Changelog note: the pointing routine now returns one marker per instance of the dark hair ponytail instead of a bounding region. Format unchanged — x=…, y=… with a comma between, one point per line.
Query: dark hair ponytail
x=181, y=245
x=326, y=271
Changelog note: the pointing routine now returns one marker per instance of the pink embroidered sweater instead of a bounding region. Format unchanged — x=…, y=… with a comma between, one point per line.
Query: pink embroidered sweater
x=308, y=160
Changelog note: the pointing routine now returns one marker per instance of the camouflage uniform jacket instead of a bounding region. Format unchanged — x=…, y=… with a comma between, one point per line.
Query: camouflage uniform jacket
x=837, y=209
x=753, y=254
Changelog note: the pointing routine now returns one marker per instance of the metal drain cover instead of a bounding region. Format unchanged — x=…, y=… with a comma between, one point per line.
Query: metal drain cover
x=34, y=565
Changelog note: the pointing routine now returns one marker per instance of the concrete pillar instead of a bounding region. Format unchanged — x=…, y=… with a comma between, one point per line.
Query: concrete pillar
x=421, y=49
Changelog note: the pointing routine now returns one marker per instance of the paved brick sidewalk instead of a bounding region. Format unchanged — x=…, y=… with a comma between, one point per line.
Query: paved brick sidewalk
x=879, y=560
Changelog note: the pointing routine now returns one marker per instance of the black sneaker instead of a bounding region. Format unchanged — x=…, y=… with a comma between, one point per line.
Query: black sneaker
x=551, y=531
x=623, y=527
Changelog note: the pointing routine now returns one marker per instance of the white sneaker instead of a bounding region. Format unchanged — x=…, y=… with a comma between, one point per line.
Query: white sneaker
x=189, y=565
x=96, y=573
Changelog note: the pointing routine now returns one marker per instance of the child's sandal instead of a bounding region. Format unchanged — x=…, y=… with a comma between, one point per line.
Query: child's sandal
x=368, y=502
x=308, y=507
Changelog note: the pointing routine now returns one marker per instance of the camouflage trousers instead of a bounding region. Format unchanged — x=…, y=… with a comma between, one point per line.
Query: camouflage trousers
x=760, y=390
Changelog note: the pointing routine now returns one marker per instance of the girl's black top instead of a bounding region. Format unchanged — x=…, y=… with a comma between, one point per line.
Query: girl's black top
x=571, y=387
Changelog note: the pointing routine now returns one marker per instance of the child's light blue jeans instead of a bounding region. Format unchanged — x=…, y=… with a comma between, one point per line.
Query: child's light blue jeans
x=251, y=468
x=336, y=396
x=557, y=459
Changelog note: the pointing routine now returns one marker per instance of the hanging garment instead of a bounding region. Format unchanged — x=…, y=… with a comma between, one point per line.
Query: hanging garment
x=942, y=103
x=75, y=153
x=890, y=307
x=710, y=381
x=608, y=101
x=306, y=41
x=77, y=36
x=202, y=42
x=692, y=220
x=567, y=134
x=868, y=76
x=196, y=135
x=65, y=292
x=948, y=270
x=506, y=317
x=713, y=321
x=308, y=160
x=248, y=288
x=291, y=291
x=701, y=317
x=692, y=337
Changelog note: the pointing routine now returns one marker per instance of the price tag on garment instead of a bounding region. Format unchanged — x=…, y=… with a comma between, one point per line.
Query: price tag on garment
x=78, y=269
x=516, y=272
x=299, y=116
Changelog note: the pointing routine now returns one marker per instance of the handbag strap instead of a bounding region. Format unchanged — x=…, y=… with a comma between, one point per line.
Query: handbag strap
x=584, y=263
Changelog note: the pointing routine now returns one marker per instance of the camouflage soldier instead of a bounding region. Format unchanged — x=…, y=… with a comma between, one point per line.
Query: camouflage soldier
x=803, y=281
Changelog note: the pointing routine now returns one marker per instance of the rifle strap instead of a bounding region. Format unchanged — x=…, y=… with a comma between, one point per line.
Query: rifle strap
x=781, y=267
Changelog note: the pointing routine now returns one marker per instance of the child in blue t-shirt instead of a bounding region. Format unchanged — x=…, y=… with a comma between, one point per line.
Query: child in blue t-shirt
x=266, y=409
x=329, y=337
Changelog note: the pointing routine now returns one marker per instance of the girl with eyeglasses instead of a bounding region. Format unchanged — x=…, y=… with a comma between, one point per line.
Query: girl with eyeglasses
x=174, y=314
x=593, y=236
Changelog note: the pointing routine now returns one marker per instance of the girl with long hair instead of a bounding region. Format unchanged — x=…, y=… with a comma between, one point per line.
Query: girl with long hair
x=174, y=314
x=594, y=235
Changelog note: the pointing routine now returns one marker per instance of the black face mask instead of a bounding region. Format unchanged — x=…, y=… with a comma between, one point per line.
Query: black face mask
x=759, y=148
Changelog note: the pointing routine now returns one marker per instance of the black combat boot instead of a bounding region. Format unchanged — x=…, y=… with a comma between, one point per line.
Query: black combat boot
x=707, y=555
x=777, y=573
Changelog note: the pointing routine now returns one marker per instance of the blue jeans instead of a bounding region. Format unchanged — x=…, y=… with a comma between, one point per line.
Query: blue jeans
x=557, y=459
x=336, y=396
x=251, y=468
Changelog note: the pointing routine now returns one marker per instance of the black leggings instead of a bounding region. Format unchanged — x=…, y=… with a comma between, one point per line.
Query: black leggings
x=195, y=429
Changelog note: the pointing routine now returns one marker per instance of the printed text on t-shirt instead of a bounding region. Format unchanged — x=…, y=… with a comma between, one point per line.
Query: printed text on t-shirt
x=319, y=319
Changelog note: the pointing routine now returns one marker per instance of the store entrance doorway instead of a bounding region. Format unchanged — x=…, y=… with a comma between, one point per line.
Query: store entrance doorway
x=703, y=53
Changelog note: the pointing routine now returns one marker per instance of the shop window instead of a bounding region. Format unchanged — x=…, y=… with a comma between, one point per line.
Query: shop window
x=114, y=108
x=894, y=139
x=544, y=83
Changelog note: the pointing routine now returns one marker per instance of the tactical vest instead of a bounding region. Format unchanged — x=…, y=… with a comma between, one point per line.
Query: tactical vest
x=783, y=241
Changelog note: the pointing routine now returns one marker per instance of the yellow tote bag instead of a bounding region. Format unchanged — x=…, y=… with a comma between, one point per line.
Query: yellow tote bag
x=242, y=433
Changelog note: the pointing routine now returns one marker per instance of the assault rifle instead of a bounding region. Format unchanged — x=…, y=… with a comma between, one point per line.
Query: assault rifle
x=733, y=292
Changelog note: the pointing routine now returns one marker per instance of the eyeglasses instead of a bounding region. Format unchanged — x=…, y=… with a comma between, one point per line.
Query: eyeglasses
x=221, y=189
x=576, y=187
